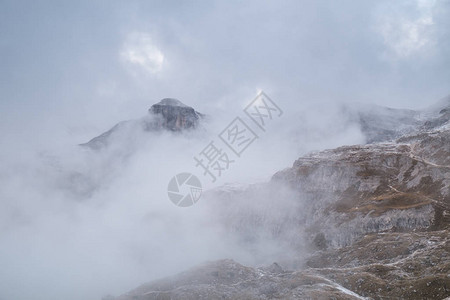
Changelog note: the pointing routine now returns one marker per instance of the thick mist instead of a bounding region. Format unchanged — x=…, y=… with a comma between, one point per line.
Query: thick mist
x=79, y=224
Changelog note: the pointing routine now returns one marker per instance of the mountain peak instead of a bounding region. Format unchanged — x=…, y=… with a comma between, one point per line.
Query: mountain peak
x=175, y=115
x=171, y=102
x=168, y=114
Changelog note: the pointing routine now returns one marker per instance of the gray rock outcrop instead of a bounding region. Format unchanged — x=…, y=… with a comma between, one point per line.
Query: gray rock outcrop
x=168, y=114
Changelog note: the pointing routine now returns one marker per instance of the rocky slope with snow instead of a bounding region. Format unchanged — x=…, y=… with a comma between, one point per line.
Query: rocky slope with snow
x=377, y=187
x=168, y=114
x=381, y=124
x=357, y=222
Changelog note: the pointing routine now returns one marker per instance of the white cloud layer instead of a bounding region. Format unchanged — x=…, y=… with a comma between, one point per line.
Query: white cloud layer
x=140, y=51
x=74, y=224
x=405, y=34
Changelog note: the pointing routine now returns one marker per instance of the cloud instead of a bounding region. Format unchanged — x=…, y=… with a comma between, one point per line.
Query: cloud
x=71, y=71
x=139, y=50
x=406, y=34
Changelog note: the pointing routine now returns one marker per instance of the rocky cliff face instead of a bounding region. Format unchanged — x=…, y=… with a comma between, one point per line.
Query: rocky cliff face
x=174, y=115
x=357, y=222
x=168, y=114
x=378, y=187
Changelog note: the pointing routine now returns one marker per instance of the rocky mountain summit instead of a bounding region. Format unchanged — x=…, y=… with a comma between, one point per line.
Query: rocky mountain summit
x=169, y=114
x=356, y=222
x=175, y=115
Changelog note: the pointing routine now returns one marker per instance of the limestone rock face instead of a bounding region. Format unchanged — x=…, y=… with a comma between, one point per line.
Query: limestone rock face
x=174, y=115
x=374, y=188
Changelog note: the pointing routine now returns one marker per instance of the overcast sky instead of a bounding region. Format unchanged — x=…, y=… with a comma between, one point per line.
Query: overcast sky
x=86, y=64
x=70, y=70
